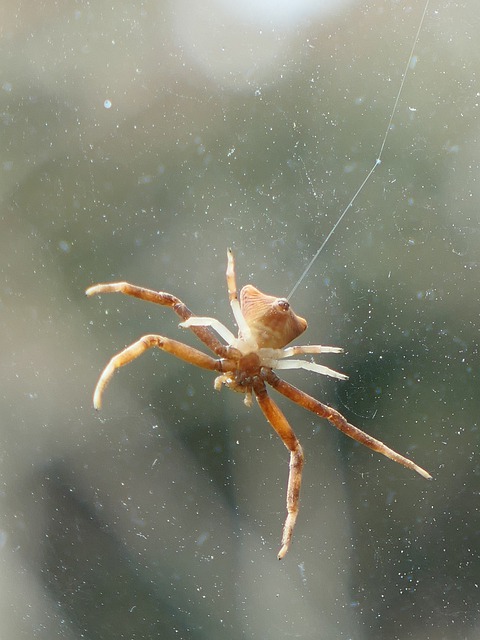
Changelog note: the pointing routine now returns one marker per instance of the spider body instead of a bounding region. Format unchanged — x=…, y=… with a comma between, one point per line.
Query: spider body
x=246, y=364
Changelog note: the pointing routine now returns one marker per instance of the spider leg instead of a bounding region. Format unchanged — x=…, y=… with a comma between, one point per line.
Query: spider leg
x=242, y=325
x=310, y=366
x=167, y=300
x=278, y=421
x=178, y=349
x=338, y=421
x=216, y=325
x=308, y=348
x=274, y=355
x=278, y=359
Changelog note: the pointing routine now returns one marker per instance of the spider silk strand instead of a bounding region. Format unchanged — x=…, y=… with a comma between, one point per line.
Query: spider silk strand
x=377, y=161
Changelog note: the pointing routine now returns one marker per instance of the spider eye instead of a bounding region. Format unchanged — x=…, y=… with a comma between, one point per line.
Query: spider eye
x=283, y=304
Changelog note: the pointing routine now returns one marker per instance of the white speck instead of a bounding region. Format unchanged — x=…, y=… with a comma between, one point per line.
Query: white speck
x=301, y=566
x=203, y=537
x=107, y=104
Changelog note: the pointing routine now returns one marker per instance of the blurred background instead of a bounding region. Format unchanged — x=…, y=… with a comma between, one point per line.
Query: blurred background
x=139, y=141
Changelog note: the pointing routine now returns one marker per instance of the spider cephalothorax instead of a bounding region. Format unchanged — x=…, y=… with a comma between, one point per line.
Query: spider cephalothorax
x=245, y=364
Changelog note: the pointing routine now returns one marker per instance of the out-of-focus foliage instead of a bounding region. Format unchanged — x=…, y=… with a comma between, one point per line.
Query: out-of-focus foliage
x=139, y=140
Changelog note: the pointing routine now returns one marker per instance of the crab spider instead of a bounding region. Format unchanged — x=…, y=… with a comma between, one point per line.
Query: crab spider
x=246, y=364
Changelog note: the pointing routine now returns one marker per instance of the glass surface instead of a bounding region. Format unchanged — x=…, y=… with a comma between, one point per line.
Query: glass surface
x=139, y=141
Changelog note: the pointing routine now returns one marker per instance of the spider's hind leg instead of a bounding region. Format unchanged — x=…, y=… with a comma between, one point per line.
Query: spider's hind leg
x=278, y=421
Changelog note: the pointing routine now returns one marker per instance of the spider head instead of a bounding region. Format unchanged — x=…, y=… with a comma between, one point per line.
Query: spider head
x=272, y=320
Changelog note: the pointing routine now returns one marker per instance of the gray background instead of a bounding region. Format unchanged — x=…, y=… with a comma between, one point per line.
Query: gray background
x=161, y=516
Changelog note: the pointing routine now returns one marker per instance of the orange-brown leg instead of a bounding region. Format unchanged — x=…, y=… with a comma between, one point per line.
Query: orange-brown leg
x=278, y=421
x=231, y=277
x=242, y=325
x=178, y=349
x=338, y=421
x=168, y=300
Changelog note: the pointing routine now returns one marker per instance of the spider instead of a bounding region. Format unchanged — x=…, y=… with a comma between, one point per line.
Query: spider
x=246, y=364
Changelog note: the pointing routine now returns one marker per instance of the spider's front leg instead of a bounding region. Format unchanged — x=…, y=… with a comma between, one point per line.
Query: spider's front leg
x=166, y=300
x=178, y=349
x=278, y=421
